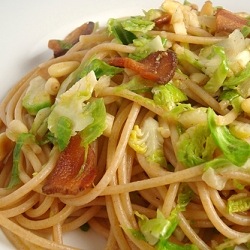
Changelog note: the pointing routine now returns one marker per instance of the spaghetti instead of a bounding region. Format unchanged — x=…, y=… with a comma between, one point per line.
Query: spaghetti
x=139, y=129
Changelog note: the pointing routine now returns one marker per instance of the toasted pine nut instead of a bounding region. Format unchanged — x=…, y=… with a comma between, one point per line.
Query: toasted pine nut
x=52, y=86
x=15, y=128
x=62, y=68
x=207, y=9
x=245, y=105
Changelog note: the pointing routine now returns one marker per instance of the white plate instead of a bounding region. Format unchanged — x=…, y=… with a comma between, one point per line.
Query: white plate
x=27, y=25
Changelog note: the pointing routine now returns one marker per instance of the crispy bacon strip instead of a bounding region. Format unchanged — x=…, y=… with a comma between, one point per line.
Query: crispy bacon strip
x=60, y=47
x=71, y=173
x=162, y=20
x=227, y=22
x=158, y=66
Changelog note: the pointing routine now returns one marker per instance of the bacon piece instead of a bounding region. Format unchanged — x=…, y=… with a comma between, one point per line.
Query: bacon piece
x=158, y=66
x=227, y=22
x=162, y=20
x=72, y=173
x=60, y=47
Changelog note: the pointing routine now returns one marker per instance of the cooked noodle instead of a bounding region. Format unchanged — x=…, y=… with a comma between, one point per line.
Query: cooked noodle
x=126, y=182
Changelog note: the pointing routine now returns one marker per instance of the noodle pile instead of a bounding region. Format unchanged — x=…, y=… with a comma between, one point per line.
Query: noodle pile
x=129, y=186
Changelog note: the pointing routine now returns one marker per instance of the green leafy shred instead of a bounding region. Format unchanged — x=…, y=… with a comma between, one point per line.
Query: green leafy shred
x=147, y=45
x=238, y=204
x=219, y=75
x=167, y=245
x=71, y=113
x=245, y=30
x=240, y=78
x=148, y=141
x=159, y=227
x=168, y=95
x=137, y=24
x=195, y=146
x=157, y=231
x=234, y=149
x=97, y=111
x=22, y=139
x=85, y=227
x=100, y=68
x=116, y=29
x=128, y=29
x=63, y=131
x=233, y=97
x=137, y=85
x=36, y=97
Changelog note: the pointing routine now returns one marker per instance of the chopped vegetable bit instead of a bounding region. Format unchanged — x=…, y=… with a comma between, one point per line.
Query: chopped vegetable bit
x=159, y=227
x=148, y=141
x=168, y=95
x=195, y=146
x=116, y=29
x=76, y=112
x=36, y=97
x=238, y=203
x=100, y=68
x=85, y=227
x=145, y=46
x=156, y=231
x=234, y=149
x=97, y=111
x=21, y=140
x=167, y=245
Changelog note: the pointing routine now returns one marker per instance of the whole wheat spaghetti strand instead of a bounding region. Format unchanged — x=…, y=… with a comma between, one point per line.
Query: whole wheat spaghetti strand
x=57, y=227
x=27, y=187
x=183, y=175
x=21, y=208
x=133, y=97
x=87, y=41
x=191, y=234
x=221, y=206
x=115, y=225
x=239, y=175
x=213, y=216
x=188, y=38
x=42, y=208
x=124, y=176
x=108, y=47
x=210, y=101
x=20, y=85
x=31, y=237
x=82, y=219
x=97, y=227
x=45, y=223
x=111, y=242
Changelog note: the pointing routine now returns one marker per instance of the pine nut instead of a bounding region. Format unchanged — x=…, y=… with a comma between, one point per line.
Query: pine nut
x=15, y=128
x=62, y=68
x=245, y=105
x=52, y=86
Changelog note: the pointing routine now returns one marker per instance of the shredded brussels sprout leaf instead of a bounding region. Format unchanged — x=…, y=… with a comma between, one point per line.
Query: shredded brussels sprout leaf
x=22, y=139
x=148, y=141
x=72, y=114
x=234, y=149
x=195, y=146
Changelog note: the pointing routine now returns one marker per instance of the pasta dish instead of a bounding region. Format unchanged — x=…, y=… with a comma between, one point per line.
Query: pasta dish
x=139, y=130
